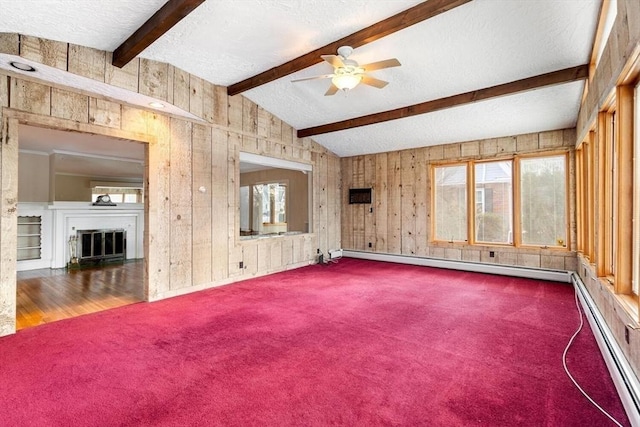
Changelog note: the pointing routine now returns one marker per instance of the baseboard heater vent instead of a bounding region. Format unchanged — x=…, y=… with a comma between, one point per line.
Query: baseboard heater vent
x=478, y=267
x=335, y=253
x=101, y=245
x=621, y=372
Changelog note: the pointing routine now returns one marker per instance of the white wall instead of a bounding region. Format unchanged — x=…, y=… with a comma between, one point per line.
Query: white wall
x=33, y=177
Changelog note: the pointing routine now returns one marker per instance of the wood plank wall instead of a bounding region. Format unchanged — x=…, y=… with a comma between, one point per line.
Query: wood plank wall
x=192, y=236
x=398, y=219
x=623, y=42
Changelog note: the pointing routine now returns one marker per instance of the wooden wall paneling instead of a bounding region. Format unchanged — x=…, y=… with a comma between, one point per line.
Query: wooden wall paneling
x=171, y=76
x=202, y=204
x=208, y=101
x=181, y=89
x=29, y=96
x=125, y=77
x=334, y=197
x=235, y=258
x=233, y=210
x=369, y=214
x=136, y=120
x=8, y=218
x=306, y=149
x=275, y=254
x=47, y=52
x=467, y=149
x=346, y=166
x=263, y=123
x=309, y=247
x=250, y=258
x=249, y=144
x=10, y=43
x=357, y=218
x=408, y=201
x=422, y=197
x=105, y=113
x=181, y=202
x=220, y=206
x=394, y=218
x=287, y=251
x=275, y=149
x=154, y=79
x=221, y=103
x=87, y=62
x=249, y=116
x=235, y=112
x=196, y=95
x=287, y=134
x=298, y=249
x=69, y=105
x=381, y=203
x=264, y=256
x=275, y=128
x=551, y=139
x=5, y=81
x=321, y=214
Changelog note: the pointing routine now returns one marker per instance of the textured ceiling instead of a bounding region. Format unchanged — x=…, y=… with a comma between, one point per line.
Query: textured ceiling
x=480, y=44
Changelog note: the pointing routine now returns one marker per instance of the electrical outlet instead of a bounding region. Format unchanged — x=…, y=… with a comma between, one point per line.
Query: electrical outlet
x=241, y=265
x=370, y=245
x=492, y=254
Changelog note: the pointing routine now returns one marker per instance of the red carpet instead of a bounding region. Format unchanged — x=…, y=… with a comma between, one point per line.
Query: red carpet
x=355, y=343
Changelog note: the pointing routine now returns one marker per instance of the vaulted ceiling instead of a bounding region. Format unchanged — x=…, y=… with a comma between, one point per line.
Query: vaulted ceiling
x=476, y=45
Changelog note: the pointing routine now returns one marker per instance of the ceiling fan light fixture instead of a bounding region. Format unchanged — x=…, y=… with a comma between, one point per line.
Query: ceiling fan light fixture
x=346, y=81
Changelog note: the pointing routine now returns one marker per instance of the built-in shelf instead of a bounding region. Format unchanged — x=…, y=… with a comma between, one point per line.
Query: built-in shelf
x=29, y=238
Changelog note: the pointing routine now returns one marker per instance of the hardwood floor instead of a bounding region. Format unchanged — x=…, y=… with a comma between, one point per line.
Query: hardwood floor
x=48, y=295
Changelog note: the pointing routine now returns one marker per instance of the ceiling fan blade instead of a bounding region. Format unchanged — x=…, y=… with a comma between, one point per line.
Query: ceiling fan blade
x=334, y=60
x=387, y=63
x=372, y=81
x=333, y=89
x=324, y=76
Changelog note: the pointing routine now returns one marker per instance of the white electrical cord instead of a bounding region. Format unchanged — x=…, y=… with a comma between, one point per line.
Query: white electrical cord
x=564, y=363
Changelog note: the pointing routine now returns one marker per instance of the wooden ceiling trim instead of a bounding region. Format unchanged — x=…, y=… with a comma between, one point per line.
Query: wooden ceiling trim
x=162, y=21
x=567, y=75
x=411, y=16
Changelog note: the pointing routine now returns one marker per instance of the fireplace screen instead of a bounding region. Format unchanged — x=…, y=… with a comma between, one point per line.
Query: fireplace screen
x=95, y=245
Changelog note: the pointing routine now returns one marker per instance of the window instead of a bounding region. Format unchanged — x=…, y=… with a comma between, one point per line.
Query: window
x=274, y=196
x=271, y=200
x=488, y=188
x=494, y=224
x=451, y=203
x=543, y=198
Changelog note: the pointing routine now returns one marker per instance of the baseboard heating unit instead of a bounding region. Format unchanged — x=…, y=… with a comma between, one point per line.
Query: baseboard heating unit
x=478, y=267
x=623, y=376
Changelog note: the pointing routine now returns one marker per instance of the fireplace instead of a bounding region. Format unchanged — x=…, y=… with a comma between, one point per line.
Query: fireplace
x=101, y=245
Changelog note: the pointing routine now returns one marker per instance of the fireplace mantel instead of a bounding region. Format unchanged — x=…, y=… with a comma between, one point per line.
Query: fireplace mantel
x=66, y=218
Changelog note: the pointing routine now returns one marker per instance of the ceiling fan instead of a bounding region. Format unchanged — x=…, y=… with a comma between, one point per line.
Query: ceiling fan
x=347, y=74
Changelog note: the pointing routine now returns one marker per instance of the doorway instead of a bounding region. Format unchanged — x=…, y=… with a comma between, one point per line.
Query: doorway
x=59, y=175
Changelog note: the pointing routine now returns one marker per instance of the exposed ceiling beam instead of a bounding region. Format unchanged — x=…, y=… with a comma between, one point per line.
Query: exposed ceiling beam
x=418, y=13
x=567, y=75
x=166, y=17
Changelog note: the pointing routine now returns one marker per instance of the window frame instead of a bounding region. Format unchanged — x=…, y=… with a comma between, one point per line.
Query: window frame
x=516, y=213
